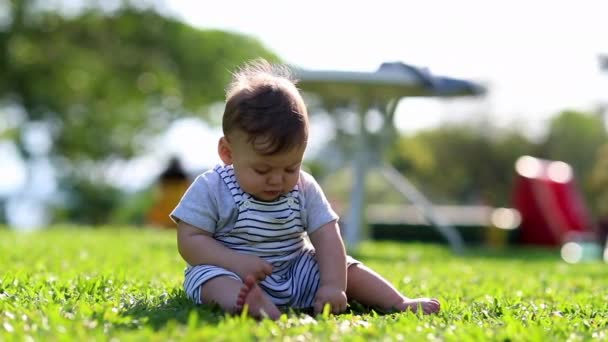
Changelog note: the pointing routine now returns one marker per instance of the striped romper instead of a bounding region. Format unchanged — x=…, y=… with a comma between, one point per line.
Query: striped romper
x=274, y=231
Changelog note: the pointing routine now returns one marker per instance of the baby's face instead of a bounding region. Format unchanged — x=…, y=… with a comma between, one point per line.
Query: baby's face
x=266, y=177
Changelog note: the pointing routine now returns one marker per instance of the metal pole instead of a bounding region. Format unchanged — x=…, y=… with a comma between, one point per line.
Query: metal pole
x=352, y=234
x=410, y=192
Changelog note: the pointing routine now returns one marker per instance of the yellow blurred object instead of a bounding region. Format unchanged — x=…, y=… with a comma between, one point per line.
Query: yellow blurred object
x=172, y=184
x=496, y=237
x=503, y=221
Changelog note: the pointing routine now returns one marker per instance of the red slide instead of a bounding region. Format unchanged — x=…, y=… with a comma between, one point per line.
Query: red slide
x=549, y=202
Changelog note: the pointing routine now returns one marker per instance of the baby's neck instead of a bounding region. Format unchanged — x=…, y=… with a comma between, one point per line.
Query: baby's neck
x=266, y=201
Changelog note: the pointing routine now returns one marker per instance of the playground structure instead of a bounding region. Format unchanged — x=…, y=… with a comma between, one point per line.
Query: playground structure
x=552, y=208
x=381, y=91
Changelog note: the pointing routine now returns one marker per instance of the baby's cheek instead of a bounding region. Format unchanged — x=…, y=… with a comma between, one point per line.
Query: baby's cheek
x=248, y=183
x=292, y=181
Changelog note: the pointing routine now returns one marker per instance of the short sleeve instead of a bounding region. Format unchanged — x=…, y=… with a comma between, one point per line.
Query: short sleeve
x=200, y=205
x=318, y=209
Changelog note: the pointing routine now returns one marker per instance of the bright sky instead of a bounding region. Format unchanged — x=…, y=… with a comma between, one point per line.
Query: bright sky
x=537, y=57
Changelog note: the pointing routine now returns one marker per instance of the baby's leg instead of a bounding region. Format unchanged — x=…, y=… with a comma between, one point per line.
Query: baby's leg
x=369, y=288
x=232, y=295
x=223, y=291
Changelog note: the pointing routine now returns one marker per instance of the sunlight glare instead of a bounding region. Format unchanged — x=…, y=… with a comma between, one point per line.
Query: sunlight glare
x=528, y=167
x=12, y=177
x=506, y=218
x=572, y=252
x=559, y=172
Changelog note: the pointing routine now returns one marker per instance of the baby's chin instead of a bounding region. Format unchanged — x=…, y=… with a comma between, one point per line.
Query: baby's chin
x=268, y=196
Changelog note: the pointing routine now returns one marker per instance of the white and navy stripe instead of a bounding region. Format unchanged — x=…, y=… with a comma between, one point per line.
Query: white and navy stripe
x=273, y=231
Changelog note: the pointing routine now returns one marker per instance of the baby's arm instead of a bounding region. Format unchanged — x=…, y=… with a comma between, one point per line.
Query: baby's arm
x=198, y=247
x=331, y=258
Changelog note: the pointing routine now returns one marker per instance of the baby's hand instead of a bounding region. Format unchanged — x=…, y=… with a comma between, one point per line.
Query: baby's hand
x=331, y=295
x=252, y=265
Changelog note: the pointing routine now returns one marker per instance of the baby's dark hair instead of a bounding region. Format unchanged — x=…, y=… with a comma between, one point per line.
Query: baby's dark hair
x=263, y=102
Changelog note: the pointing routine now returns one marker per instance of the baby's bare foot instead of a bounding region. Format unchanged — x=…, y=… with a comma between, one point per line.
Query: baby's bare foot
x=252, y=296
x=428, y=305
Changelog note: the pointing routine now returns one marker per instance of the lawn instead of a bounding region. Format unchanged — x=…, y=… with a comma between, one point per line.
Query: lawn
x=125, y=284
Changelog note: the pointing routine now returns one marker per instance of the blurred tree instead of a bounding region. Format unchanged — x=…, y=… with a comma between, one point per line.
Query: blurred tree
x=598, y=184
x=103, y=83
x=474, y=162
x=462, y=163
x=2, y=212
x=575, y=137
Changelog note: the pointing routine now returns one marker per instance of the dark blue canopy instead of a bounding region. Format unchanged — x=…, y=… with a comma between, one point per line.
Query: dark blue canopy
x=392, y=80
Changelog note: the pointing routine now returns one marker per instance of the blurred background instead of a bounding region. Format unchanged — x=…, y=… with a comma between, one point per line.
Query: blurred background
x=108, y=109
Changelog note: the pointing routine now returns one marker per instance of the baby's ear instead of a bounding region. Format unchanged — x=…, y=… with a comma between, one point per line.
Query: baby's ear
x=224, y=150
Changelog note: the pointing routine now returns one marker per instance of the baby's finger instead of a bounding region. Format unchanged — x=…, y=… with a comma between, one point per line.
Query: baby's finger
x=260, y=275
x=268, y=269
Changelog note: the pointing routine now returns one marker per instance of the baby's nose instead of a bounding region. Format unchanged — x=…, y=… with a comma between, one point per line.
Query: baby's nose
x=275, y=179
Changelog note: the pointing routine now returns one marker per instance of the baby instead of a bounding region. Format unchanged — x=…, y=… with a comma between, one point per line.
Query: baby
x=257, y=231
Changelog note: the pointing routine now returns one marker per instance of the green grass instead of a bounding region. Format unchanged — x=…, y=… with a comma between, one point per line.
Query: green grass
x=125, y=284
